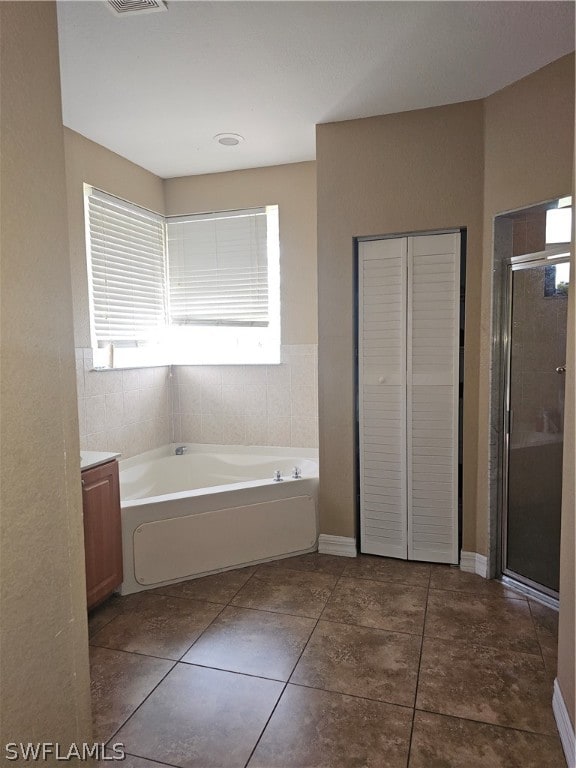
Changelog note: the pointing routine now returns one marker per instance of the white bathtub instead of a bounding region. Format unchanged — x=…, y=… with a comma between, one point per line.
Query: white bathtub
x=214, y=508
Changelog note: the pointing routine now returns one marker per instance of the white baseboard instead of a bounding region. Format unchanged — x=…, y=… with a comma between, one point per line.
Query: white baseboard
x=336, y=545
x=472, y=562
x=565, y=727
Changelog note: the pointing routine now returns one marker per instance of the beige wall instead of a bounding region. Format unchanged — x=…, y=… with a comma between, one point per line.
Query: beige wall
x=407, y=172
x=293, y=188
x=90, y=163
x=529, y=135
x=43, y=634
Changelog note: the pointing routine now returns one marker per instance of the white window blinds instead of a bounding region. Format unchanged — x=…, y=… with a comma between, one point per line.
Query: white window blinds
x=127, y=270
x=218, y=268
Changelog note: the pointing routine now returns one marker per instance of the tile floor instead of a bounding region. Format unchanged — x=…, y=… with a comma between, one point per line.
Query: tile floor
x=326, y=662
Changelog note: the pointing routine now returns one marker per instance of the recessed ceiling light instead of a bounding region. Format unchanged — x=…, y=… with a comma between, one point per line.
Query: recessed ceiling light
x=229, y=139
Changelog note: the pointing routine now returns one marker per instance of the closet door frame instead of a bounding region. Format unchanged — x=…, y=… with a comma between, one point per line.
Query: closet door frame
x=458, y=375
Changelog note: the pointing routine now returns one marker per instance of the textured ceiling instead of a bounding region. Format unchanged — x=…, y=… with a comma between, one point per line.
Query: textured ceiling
x=156, y=88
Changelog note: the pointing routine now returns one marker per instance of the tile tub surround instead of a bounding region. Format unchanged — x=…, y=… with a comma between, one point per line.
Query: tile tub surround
x=134, y=410
x=128, y=411
x=276, y=667
x=250, y=404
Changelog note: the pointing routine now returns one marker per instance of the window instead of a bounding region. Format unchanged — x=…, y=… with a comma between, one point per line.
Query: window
x=197, y=289
x=224, y=277
x=218, y=265
x=556, y=279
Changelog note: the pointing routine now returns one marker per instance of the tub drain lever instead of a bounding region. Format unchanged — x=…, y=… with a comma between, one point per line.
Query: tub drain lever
x=278, y=476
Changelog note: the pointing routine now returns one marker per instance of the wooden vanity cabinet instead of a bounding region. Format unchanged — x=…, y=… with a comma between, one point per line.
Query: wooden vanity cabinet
x=102, y=531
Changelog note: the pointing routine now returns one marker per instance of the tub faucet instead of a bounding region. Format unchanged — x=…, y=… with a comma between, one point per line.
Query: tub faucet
x=181, y=450
x=278, y=476
x=296, y=473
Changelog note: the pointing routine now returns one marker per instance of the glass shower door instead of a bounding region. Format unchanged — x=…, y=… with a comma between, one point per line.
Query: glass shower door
x=535, y=393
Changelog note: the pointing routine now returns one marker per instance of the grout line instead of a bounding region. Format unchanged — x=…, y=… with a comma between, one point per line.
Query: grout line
x=536, y=633
x=290, y=675
x=141, y=703
x=334, y=588
x=150, y=760
x=135, y=653
x=390, y=580
x=482, y=596
x=265, y=725
x=418, y=672
x=369, y=626
x=193, y=643
x=233, y=672
x=352, y=695
x=230, y=605
x=275, y=613
x=198, y=579
x=177, y=597
x=151, y=655
x=94, y=633
x=222, y=609
x=462, y=642
x=396, y=582
x=550, y=734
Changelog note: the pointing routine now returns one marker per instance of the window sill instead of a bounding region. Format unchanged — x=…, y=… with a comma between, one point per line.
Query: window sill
x=125, y=359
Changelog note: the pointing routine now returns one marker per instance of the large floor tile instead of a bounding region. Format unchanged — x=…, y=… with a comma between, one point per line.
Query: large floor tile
x=546, y=623
x=253, y=642
x=318, y=729
x=120, y=683
x=313, y=561
x=201, y=718
x=455, y=580
x=287, y=591
x=361, y=661
x=218, y=588
x=499, y=622
x=448, y=742
x=485, y=684
x=157, y=625
x=388, y=569
x=551, y=663
x=397, y=607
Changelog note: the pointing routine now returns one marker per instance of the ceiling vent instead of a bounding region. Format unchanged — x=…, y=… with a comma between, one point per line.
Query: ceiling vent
x=122, y=7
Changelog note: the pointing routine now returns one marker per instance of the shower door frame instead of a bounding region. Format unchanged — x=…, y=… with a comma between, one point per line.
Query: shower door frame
x=511, y=265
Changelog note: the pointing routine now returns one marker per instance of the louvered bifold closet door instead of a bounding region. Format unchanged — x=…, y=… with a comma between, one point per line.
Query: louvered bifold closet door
x=382, y=396
x=432, y=397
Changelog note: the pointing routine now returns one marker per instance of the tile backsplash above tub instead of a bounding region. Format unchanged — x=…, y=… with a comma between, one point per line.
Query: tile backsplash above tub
x=129, y=411
x=135, y=410
x=250, y=404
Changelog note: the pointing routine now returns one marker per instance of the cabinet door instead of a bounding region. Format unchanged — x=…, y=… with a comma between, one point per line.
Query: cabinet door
x=432, y=397
x=102, y=531
x=382, y=396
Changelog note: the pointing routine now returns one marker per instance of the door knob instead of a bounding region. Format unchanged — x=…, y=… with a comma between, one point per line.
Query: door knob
x=561, y=369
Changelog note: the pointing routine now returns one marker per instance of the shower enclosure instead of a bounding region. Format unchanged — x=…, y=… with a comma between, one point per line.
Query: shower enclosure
x=534, y=414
